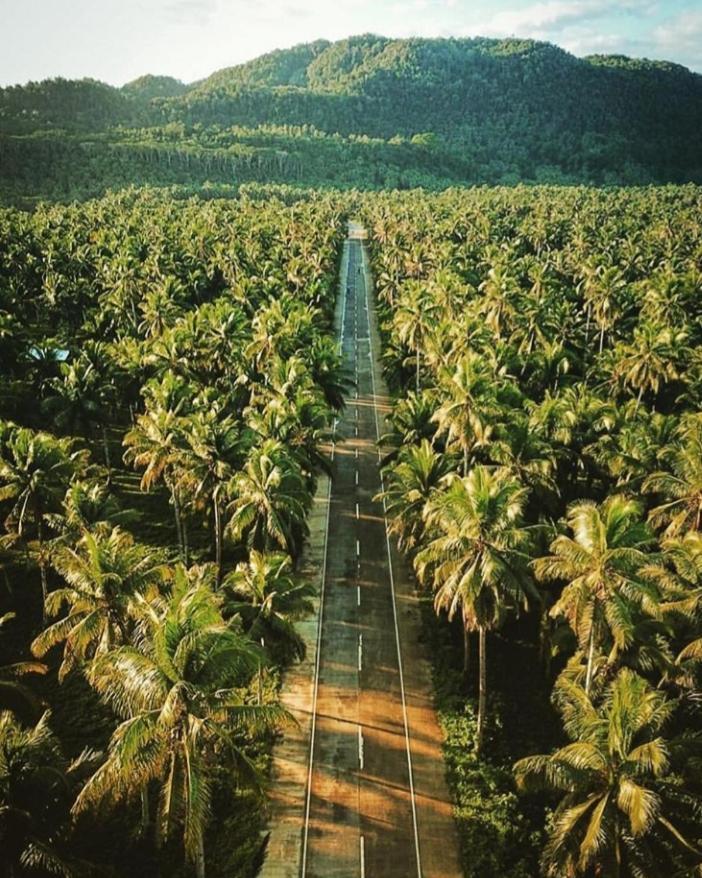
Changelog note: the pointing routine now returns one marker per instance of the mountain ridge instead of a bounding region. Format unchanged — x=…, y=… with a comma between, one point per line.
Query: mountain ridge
x=372, y=111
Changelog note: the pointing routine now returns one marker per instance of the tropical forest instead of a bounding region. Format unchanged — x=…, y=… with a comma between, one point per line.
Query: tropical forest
x=351, y=467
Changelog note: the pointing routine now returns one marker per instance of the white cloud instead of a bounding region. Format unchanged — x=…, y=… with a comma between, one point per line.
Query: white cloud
x=681, y=37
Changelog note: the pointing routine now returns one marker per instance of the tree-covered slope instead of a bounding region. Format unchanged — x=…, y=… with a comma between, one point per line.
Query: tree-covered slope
x=463, y=111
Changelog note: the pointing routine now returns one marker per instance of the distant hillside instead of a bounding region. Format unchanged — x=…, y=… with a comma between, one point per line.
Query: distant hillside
x=149, y=87
x=371, y=111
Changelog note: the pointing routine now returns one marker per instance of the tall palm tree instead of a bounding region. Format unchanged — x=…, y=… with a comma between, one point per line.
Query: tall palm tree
x=409, y=482
x=35, y=471
x=270, y=500
x=649, y=361
x=9, y=674
x=180, y=693
x=104, y=573
x=681, y=485
x=678, y=575
x=475, y=557
x=214, y=450
x=468, y=407
x=36, y=786
x=414, y=319
x=600, y=563
x=270, y=598
x=156, y=445
x=613, y=778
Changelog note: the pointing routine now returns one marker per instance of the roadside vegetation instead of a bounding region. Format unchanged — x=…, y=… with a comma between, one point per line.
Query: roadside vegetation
x=169, y=375
x=544, y=478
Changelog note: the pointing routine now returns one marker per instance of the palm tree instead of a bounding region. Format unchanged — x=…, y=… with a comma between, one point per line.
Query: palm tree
x=414, y=319
x=214, y=448
x=600, y=564
x=180, y=692
x=104, y=573
x=475, y=557
x=36, y=786
x=270, y=501
x=468, y=405
x=156, y=445
x=9, y=684
x=409, y=482
x=613, y=777
x=678, y=575
x=35, y=471
x=649, y=360
x=681, y=486
x=271, y=598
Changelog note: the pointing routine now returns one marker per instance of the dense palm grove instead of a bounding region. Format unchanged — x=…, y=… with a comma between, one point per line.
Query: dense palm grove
x=546, y=481
x=169, y=378
x=169, y=375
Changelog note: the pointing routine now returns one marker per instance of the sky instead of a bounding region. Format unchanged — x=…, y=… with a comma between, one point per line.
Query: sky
x=118, y=40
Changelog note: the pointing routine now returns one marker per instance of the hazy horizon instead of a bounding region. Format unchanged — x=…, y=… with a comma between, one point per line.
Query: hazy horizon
x=117, y=42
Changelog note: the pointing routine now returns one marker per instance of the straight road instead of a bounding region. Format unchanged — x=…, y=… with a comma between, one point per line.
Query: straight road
x=376, y=803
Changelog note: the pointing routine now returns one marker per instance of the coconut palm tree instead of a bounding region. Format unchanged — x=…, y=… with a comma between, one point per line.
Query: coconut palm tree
x=600, y=564
x=180, y=693
x=156, y=445
x=414, y=319
x=678, y=575
x=467, y=410
x=270, y=598
x=270, y=500
x=214, y=451
x=476, y=557
x=649, y=361
x=409, y=482
x=10, y=685
x=36, y=786
x=614, y=778
x=35, y=471
x=680, y=486
x=104, y=572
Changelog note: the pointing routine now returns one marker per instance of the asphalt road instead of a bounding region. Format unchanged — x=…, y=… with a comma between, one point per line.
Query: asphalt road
x=376, y=801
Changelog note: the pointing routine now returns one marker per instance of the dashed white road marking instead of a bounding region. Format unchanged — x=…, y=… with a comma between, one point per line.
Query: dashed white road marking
x=357, y=513
x=360, y=652
x=363, y=857
x=360, y=748
x=358, y=548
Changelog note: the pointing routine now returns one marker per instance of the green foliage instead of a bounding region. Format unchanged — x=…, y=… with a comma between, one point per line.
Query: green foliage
x=364, y=112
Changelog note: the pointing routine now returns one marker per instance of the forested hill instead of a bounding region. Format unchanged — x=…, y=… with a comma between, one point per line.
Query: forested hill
x=370, y=111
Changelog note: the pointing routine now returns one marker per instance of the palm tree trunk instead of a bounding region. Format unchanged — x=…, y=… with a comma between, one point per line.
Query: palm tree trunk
x=177, y=516
x=590, y=659
x=145, y=810
x=602, y=338
x=42, y=563
x=186, y=549
x=465, y=460
x=466, y=651
x=106, y=451
x=417, y=373
x=638, y=399
x=482, y=688
x=218, y=538
x=200, y=858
